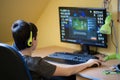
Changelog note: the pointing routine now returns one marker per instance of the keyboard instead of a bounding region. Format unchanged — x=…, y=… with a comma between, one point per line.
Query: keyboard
x=69, y=58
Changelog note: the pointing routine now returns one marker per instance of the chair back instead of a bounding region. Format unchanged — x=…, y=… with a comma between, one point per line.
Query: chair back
x=12, y=64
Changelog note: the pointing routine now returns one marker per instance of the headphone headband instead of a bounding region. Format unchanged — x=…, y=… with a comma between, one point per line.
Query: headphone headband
x=29, y=42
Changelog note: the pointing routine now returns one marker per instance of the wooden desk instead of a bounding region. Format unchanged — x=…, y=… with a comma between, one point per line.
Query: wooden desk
x=90, y=73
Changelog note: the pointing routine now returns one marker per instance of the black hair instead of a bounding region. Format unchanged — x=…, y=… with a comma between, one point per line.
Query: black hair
x=21, y=33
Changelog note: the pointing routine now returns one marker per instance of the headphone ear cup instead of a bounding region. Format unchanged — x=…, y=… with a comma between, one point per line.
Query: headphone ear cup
x=29, y=42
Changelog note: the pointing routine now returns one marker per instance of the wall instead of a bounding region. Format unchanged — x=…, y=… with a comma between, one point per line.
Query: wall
x=11, y=10
x=48, y=23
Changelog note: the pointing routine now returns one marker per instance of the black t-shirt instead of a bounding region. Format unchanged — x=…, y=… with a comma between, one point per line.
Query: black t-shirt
x=40, y=69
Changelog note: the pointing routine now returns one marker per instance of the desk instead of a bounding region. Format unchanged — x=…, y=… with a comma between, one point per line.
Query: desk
x=87, y=74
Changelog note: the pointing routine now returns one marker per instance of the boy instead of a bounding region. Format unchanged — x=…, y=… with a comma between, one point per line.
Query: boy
x=25, y=39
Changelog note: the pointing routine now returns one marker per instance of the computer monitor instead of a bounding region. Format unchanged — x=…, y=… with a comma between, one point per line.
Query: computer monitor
x=81, y=26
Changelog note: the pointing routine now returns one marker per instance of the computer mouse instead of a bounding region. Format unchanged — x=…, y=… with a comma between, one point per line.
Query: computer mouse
x=96, y=65
x=95, y=57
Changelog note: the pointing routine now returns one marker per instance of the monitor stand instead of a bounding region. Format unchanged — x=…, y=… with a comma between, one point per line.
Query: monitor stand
x=86, y=50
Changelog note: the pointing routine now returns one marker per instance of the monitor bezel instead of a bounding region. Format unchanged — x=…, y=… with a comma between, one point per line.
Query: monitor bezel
x=105, y=36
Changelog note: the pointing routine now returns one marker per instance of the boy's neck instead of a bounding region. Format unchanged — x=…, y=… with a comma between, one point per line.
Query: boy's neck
x=27, y=51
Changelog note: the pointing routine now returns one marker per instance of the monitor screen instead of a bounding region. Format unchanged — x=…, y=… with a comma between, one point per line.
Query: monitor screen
x=81, y=26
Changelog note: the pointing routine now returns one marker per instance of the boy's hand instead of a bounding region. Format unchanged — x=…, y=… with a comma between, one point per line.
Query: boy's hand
x=93, y=63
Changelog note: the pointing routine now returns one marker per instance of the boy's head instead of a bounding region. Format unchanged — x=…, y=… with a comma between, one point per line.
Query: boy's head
x=23, y=33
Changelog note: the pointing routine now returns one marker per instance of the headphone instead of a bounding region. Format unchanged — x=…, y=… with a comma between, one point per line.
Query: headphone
x=29, y=42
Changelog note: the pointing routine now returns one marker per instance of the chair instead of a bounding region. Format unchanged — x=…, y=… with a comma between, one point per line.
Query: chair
x=12, y=65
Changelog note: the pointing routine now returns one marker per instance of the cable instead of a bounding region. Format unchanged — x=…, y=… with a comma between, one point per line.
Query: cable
x=107, y=4
x=115, y=38
x=115, y=43
x=112, y=38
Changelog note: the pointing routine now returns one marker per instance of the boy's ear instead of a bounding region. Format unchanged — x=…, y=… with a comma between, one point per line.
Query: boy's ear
x=33, y=39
